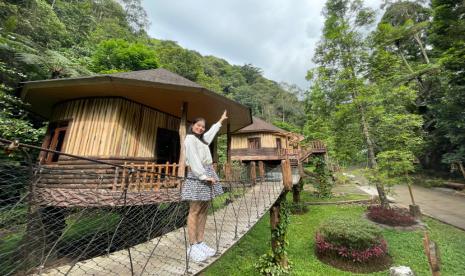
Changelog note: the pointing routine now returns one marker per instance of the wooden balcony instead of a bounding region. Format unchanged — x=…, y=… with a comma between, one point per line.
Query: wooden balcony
x=83, y=183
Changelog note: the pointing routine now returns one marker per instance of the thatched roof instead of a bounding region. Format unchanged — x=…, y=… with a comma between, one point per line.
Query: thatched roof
x=157, y=88
x=259, y=125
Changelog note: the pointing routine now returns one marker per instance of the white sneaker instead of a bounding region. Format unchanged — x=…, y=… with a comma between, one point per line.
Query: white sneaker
x=196, y=253
x=207, y=249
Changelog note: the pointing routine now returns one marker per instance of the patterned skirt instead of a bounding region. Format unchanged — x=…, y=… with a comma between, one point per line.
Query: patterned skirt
x=196, y=189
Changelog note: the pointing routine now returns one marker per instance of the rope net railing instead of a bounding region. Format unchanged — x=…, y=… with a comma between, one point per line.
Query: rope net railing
x=88, y=217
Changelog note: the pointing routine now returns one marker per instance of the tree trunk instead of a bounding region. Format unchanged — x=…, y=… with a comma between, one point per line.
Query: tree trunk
x=462, y=170
x=423, y=51
x=371, y=156
x=296, y=193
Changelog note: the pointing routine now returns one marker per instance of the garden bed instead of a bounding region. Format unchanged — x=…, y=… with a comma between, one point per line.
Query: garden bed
x=393, y=216
x=352, y=244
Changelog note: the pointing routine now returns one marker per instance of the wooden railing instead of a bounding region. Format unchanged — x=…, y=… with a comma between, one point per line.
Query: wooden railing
x=316, y=145
x=288, y=152
x=146, y=177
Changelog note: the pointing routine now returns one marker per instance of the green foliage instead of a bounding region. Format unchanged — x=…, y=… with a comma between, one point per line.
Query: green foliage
x=180, y=61
x=448, y=38
x=266, y=265
x=116, y=55
x=350, y=232
x=324, y=180
x=13, y=118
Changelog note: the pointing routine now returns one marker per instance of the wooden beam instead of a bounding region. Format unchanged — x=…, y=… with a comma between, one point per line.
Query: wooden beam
x=215, y=150
x=228, y=148
x=182, y=136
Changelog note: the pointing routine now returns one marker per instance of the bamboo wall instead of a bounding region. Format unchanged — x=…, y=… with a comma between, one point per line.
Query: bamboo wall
x=267, y=140
x=111, y=127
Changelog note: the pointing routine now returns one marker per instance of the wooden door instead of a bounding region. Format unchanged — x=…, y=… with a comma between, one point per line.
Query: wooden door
x=57, y=140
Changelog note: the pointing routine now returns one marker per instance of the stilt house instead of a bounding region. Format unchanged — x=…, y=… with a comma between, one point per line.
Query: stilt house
x=262, y=141
x=137, y=119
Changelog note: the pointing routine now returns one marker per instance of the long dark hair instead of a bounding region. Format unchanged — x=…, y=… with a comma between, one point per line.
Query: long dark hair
x=190, y=131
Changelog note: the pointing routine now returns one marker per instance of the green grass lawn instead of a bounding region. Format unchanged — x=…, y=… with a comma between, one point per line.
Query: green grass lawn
x=406, y=248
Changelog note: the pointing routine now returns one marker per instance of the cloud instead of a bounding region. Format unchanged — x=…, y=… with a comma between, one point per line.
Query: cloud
x=276, y=35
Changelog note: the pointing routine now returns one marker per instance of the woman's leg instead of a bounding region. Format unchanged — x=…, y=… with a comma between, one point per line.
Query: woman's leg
x=202, y=220
x=195, y=207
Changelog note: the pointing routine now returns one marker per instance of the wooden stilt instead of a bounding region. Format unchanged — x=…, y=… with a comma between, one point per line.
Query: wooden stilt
x=261, y=169
x=253, y=172
x=276, y=240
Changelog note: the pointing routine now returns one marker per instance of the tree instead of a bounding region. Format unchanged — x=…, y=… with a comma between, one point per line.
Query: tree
x=448, y=37
x=178, y=60
x=116, y=55
x=135, y=14
x=365, y=111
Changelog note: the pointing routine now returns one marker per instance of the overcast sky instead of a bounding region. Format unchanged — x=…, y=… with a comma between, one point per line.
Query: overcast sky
x=279, y=36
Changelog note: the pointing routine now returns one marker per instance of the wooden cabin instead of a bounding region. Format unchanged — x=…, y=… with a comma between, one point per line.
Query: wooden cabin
x=136, y=119
x=262, y=141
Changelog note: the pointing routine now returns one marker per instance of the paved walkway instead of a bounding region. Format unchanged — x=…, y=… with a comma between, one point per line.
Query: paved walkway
x=441, y=205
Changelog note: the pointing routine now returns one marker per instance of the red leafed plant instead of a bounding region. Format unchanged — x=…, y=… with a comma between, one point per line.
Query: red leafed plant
x=350, y=239
x=355, y=255
x=390, y=216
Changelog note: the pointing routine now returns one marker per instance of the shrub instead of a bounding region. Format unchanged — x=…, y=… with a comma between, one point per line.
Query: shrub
x=298, y=208
x=390, y=216
x=350, y=239
x=267, y=265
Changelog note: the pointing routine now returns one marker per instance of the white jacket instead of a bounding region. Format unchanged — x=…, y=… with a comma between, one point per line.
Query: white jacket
x=197, y=153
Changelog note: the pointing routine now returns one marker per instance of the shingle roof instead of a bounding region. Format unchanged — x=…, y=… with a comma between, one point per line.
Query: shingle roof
x=159, y=75
x=259, y=125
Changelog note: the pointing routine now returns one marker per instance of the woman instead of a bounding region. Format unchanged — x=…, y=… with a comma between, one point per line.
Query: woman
x=201, y=185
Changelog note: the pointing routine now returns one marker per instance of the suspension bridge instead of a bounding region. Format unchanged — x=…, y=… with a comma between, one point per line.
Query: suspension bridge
x=140, y=231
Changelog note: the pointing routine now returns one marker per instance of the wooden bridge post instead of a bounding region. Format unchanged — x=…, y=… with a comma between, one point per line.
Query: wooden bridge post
x=253, y=172
x=276, y=241
x=228, y=171
x=287, y=174
x=261, y=169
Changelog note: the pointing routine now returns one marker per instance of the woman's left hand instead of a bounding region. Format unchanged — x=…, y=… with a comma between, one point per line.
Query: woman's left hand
x=224, y=116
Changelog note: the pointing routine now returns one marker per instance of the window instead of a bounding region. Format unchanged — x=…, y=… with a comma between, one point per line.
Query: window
x=254, y=143
x=278, y=143
x=57, y=132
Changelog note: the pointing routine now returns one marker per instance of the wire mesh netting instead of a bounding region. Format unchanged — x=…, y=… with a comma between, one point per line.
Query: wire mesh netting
x=87, y=217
